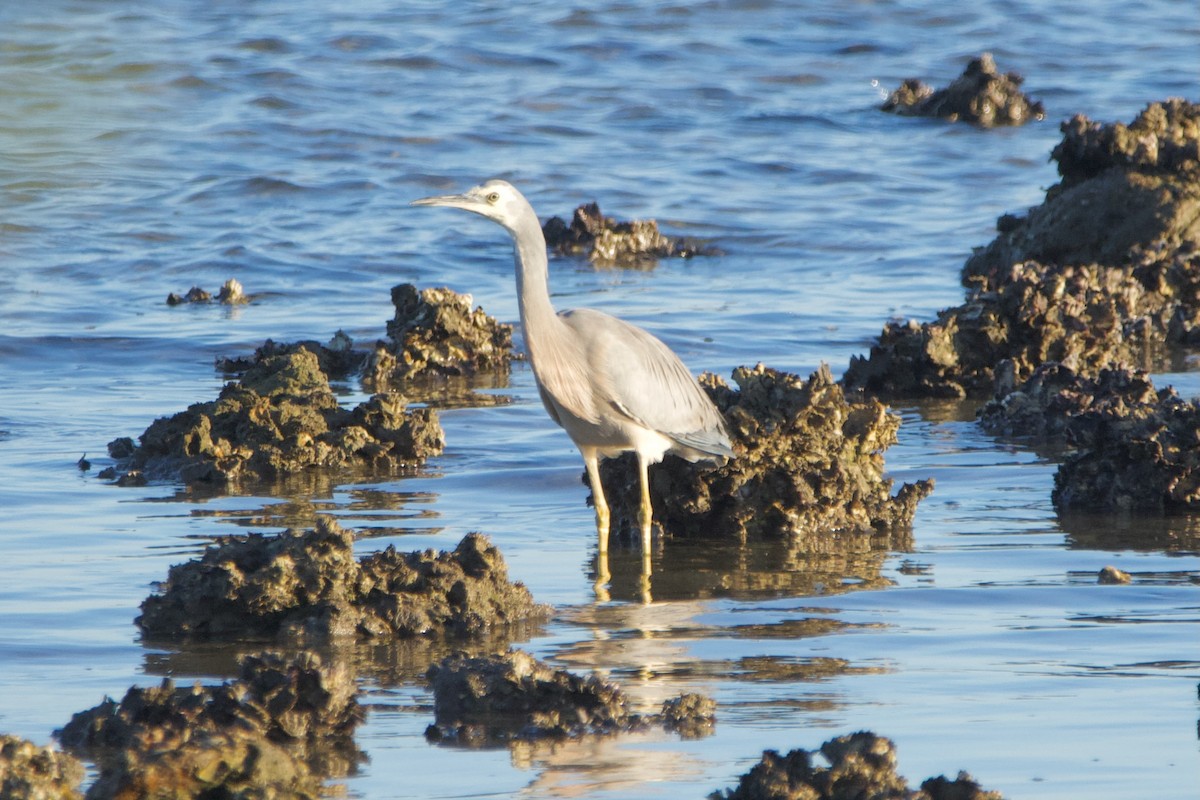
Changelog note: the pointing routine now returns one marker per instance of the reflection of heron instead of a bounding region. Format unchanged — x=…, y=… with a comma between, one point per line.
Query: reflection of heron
x=612, y=386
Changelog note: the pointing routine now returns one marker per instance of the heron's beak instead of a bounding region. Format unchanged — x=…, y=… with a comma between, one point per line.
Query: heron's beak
x=451, y=200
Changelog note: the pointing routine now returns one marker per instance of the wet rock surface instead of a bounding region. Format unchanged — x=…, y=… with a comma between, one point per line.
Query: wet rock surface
x=981, y=95
x=30, y=772
x=509, y=697
x=604, y=240
x=436, y=333
x=308, y=583
x=280, y=418
x=1106, y=270
x=861, y=765
x=272, y=733
x=808, y=462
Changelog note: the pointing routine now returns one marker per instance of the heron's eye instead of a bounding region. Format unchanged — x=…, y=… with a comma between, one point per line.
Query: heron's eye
x=493, y=197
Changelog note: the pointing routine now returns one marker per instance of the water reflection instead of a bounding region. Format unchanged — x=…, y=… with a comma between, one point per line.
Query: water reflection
x=1178, y=535
x=826, y=562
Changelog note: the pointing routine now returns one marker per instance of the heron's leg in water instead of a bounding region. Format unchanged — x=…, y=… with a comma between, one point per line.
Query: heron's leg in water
x=593, y=471
x=647, y=513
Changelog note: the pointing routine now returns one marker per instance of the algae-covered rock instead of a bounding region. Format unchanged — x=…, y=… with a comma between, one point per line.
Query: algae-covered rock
x=861, y=765
x=513, y=696
x=282, y=418
x=308, y=583
x=807, y=461
x=231, y=293
x=436, y=333
x=605, y=241
x=272, y=733
x=981, y=95
x=30, y=772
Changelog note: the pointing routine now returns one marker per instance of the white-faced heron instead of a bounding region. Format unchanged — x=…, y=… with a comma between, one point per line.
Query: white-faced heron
x=612, y=386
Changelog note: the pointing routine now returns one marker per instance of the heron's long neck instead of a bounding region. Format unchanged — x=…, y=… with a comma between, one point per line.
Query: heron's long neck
x=538, y=318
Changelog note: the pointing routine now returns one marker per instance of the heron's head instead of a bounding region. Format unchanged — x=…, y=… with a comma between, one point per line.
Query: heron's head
x=497, y=200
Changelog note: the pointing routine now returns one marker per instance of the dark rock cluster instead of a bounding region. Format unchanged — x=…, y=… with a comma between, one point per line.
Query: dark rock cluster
x=507, y=697
x=309, y=584
x=981, y=95
x=861, y=765
x=280, y=418
x=272, y=733
x=607, y=242
x=808, y=463
x=30, y=772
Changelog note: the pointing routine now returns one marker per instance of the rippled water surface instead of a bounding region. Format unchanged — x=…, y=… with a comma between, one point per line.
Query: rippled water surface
x=146, y=147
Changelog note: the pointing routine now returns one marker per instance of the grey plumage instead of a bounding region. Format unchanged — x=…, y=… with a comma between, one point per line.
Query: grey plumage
x=611, y=385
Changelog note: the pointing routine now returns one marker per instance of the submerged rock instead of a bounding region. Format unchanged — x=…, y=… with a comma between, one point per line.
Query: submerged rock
x=861, y=765
x=30, y=772
x=981, y=96
x=436, y=333
x=1106, y=270
x=282, y=418
x=273, y=732
x=608, y=242
x=308, y=583
x=513, y=696
x=808, y=461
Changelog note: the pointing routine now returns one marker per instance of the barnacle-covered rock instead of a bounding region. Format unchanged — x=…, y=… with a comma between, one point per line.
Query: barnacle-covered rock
x=308, y=583
x=605, y=241
x=981, y=95
x=274, y=732
x=861, y=765
x=513, y=696
x=30, y=772
x=436, y=333
x=281, y=418
x=1106, y=270
x=808, y=463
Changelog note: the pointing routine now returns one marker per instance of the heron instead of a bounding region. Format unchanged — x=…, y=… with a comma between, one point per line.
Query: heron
x=612, y=386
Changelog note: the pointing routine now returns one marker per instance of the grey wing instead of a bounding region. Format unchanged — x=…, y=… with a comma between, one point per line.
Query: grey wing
x=647, y=382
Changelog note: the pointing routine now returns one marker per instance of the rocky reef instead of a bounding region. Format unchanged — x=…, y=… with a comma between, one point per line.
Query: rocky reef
x=605, y=241
x=275, y=732
x=30, y=772
x=861, y=765
x=1105, y=271
x=807, y=460
x=308, y=584
x=280, y=418
x=981, y=96
x=509, y=697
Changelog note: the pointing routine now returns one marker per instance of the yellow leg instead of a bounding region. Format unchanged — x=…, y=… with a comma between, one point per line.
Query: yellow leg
x=602, y=516
x=647, y=513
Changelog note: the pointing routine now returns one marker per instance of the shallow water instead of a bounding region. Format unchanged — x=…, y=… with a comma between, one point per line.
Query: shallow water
x=148, y=147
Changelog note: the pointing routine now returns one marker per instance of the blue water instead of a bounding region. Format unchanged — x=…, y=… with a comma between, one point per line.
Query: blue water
x=146, y=147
